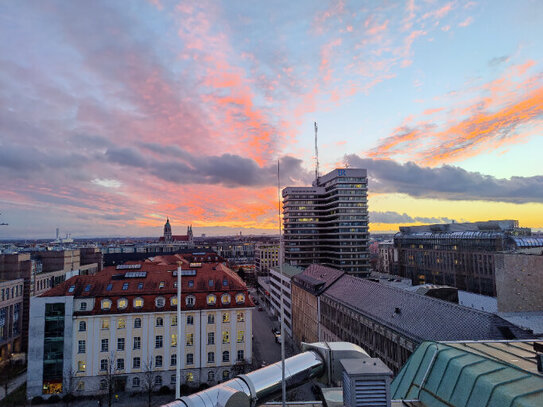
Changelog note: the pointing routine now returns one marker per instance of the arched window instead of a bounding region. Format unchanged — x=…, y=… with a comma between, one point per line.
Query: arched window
x=210, y=376
x=211, y=299
x=210, y=319
x=240, y=298
x=137, y=323
x=173, y=301
x=226, y=356
x=225, y=375
x=159, y=321
x=158, y=361
x=106, y=304
x=136, y=382
x=82, y=326
x=225, y=298
x=158, y=381
x=138, y=302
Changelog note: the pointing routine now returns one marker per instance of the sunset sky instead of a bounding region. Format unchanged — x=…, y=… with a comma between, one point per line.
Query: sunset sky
x=117, y=114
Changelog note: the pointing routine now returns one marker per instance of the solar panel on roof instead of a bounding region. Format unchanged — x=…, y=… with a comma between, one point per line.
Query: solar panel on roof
x=135, y=274
x=128, y=267
x=185, y=273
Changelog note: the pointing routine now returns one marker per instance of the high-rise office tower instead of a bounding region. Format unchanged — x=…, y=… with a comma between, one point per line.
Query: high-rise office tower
x=327, y=223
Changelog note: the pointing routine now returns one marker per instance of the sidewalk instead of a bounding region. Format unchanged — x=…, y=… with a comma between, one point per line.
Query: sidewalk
x=13, y=384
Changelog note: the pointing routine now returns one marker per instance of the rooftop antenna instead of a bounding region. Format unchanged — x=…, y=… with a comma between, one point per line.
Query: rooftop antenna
x=316, y=156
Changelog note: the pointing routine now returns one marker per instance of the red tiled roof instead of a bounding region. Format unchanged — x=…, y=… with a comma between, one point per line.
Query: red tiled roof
x=96, y=286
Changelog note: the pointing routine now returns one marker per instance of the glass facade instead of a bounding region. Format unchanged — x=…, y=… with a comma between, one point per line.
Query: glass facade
x=53, y=348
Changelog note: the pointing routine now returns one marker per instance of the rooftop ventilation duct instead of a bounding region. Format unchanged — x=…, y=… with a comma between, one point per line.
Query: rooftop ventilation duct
x=366, y=383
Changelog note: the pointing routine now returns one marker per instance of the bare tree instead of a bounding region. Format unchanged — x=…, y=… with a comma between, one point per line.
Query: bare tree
x=240, y=367
x=108, y=378
x=149, y=377
x=70, y=386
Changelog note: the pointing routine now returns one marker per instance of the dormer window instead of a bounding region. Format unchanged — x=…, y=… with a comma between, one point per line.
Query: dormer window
x=87, y=287
x=125, y=286
x=161, y=284
x=225, y=282
x=83, y=306
x=211, y=282
x=191, y=283
x=240, y=298
x=109, y=287
x=173, y=301
x=160, y=301
x=138, y=302
x=122, y=303
x=71, y=289
x=225, y=298
x=106, y=304
x=140, y=286
x=190, y=300
x=211, y=299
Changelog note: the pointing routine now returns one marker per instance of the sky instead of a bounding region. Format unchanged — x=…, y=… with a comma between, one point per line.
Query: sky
x=117, y=114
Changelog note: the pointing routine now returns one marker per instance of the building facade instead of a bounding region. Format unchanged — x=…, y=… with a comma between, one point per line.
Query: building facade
x=266, y=257
x=460, y=255
x=11, y=317
x=121, y=324
x=328, y=223
x=282, y=281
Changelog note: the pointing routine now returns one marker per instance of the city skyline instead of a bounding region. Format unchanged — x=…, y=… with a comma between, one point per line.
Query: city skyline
x=109, y=110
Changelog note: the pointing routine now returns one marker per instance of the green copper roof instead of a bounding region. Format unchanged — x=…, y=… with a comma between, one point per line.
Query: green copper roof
x=451, y=376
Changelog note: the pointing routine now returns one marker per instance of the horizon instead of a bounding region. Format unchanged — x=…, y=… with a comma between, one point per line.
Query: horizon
x=117, y=115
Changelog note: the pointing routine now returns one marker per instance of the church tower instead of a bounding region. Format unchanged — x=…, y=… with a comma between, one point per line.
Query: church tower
x=167, y=231
x=189, y=233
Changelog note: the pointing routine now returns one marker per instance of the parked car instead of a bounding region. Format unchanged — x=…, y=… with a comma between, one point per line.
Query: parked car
x=260, y=309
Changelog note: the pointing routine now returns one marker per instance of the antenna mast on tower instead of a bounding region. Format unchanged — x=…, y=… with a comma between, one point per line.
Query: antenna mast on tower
x=316, y=156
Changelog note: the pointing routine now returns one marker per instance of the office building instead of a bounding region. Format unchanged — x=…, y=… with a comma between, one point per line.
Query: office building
x=11, y=317
x=460, y=255
x=266, y=257
x=281, y=281
x=327, y=223
x=122, y=323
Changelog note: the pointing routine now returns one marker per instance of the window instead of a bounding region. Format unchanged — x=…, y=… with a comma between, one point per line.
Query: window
x=105, y=345
x=81, y=347
x=190, y=320
x=190, y=359
x=121, y=323
x=160, y=301
x=211, y=338
x=173, y=360
x=225, y=375
x=172, y=379
x=120, y=343
x=190, y=339
x=158, y=341
x=173, y=301
x=140, y=286
x=225, y=298
x=240, y=298
x=241, y=317
x=137, y=323
x=173, y=340
x=106, y=304
x=158, y=381
x=80, y=386
x=120, y=364
x=210, y=319
x=105, y=323
x=210, y=283
x=161, y=284
x=211, y=299
x=158, y=361
x=109, y=287
x=103, y=384
x=225, y=337
x=82, y=326
x=191, y=283
x=226, y=317
x=70, y=290
x=210, y=375
x=136, y=382
x=136, y=363
x=240, y=355
x=81, y=366
x=159, y=321
x=190, y=300
x=125, y=286
x=138, y=302
x=225, y=282
x=87, y=287
x=190, y=377
x=122, y=303
x=210, y=357
x=174, y=320
x=226, y=356
x=137, y=342
x=103, y=364
x=83, y=306
x=241, y=336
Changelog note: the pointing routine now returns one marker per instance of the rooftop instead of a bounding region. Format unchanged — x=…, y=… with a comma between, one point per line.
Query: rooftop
x=317, y=278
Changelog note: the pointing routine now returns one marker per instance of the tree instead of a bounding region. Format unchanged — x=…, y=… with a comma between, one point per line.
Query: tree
x=6, y=372
x=70, y=384
x=240, y=367
x=149, y=377
x=108, y=378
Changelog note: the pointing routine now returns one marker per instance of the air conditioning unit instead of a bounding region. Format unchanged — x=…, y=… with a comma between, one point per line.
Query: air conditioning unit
x=366, y=383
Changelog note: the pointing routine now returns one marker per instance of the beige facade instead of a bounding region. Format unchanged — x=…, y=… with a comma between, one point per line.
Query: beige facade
x=266, y=257
x=305, y=319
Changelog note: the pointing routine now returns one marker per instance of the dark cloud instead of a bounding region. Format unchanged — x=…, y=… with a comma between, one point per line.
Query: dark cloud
x=446, y=182
x=498, y=60
x=395, y=217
